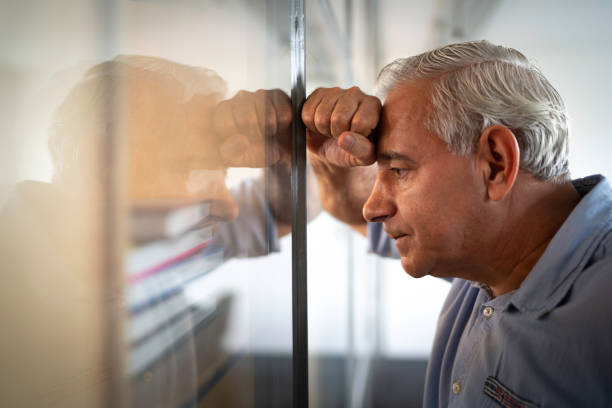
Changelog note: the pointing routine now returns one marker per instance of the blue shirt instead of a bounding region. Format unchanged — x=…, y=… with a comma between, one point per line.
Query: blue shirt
x=547, y=343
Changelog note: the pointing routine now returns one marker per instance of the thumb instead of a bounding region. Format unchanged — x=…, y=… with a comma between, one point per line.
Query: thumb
x=358, y=146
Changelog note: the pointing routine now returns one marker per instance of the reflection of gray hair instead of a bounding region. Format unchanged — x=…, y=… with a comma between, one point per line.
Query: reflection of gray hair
x=477, y=85
x=89, y=111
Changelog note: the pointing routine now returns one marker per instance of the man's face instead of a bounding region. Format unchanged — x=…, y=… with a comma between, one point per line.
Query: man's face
x=430, y=200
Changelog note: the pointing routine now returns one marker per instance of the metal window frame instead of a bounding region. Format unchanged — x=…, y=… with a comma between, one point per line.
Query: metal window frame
x=298, y=207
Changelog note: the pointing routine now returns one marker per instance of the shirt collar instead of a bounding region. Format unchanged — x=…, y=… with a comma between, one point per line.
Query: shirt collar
x=569, y=250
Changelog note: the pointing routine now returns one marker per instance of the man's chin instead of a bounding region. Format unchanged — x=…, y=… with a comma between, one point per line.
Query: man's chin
x=411, y=269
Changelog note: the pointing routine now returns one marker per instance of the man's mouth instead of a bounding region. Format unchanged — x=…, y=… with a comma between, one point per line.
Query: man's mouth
x=398, y=236
x=395, y=235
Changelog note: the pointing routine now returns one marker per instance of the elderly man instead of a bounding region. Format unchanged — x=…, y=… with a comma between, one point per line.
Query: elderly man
x=472, y=183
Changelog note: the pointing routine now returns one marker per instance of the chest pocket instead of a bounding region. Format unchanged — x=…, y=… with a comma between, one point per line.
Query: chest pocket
x=498, y=395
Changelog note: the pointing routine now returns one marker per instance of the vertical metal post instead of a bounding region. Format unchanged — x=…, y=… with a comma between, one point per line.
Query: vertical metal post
x=112, y=233
x=298, y=207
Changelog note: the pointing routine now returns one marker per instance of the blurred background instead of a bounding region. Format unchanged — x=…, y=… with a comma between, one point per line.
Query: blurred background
x=96, y=311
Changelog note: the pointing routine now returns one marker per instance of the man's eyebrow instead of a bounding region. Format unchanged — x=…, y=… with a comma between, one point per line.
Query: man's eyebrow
x=391, y=155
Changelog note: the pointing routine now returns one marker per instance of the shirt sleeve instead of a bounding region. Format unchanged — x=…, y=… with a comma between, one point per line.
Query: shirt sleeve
x=253, y=233
x=380, y=243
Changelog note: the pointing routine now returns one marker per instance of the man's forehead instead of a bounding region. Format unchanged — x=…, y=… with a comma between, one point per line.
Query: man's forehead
x=405, y=110
x=402, y=131
x=407, y=99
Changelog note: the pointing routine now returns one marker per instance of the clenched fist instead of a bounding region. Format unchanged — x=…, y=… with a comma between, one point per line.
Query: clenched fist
x=249, y=120
x=339, y=123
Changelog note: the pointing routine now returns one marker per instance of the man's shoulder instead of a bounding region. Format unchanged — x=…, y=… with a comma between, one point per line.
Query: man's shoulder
x=590, y=241
x=603, y=251
x=599, y=209
x=588, y=302
x=596, y=277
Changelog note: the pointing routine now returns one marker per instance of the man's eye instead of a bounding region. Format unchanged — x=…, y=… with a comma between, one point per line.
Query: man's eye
x=399, y=172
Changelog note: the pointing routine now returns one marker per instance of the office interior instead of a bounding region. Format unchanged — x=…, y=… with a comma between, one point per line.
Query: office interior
x=112, y=295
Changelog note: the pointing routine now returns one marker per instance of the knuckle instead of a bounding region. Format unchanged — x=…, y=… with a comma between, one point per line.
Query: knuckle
x=221, y=107
x=284, y=117
x=339, y=120
x=360, y=123
x=327, y=93
x=321, y=122
x=270, y=123
x=314, y=94
x=241, y=98
x=278, y=93
x=307, y=117
x=375, y=102
x=363, y=126
x=316, y=91
x=355, y=90
x=261, y=95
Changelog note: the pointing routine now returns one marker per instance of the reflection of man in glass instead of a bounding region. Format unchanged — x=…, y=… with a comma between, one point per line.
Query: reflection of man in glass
x=162, y=124
x=172, y=122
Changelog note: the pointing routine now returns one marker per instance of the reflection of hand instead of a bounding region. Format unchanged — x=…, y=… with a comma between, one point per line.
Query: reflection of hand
x=338, y=123
x=245, y=122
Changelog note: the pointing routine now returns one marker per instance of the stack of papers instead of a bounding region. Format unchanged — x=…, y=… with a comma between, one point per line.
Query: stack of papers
x=173, y=248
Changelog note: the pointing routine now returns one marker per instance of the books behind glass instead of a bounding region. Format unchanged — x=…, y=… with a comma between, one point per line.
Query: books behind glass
x=172, y=247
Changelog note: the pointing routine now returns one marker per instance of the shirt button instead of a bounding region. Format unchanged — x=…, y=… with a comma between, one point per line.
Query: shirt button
x=456, y=388
x=488, y=312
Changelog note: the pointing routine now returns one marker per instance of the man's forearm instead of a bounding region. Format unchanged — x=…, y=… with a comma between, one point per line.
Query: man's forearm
x=344, y=190
x=279, y=182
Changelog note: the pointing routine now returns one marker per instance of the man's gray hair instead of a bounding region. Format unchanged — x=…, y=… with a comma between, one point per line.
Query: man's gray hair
x=87, y=114
x=477, y=85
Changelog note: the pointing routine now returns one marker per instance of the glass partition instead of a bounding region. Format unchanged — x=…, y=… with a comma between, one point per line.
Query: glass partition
x=146, y=255
x=145, y=193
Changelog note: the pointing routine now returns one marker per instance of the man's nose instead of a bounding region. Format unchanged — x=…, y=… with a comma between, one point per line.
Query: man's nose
x=379, y=205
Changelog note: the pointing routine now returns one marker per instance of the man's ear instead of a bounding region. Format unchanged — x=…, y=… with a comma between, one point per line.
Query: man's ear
x=499, y=155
